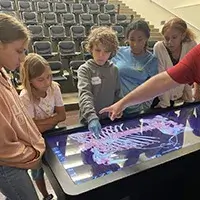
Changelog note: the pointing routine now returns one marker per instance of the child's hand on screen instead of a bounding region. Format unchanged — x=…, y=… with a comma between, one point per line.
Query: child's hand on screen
x=95, y=127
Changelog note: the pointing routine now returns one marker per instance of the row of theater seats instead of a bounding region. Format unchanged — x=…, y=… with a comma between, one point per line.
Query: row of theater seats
x=66, y=50
x=62, y=24
x=75, y=32
x=58, y=7
x=53, y=11
x=59, y=73
x=68, y=19
x=69, y=28
x=67, y=22
x=77, y=16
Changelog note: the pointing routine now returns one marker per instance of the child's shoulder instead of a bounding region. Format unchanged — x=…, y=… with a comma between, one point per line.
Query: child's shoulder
x=159, y=46
x=87, y=66
x=151, y=56
x=113, y=67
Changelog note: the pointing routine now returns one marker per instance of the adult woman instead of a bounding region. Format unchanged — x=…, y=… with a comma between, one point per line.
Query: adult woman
x=178, y=41
x=134, y=62
x=21, y=144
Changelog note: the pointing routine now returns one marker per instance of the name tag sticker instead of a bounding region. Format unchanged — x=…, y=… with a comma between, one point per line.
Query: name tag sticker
x=96, y=80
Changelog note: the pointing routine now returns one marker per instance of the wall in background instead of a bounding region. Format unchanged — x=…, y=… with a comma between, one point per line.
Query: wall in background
x=157, y=11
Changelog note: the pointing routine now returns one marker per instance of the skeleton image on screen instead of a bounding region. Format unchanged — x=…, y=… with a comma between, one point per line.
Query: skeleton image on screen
x=120, y=137
x=126, y=143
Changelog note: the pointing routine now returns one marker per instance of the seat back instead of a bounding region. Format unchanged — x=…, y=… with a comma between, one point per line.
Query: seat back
x=121, y=19
x=100, y=2
x=68, y=19
x=109, y=9
x=43, y=7
x=103, y=19
x=66, y=47
x=30, y=18
x=50, y=18
x=25, y=6
x=37, y=31
x=6, y=5
x=119, y=30
x=77, y=8
x=86, y=19
x=56, y=68
x=85, y=2
x=93, y=9
x=57, y=31
x=60, y=8
x=77, y=32
x=69, y=1
x=74, y=65
x=42, y=47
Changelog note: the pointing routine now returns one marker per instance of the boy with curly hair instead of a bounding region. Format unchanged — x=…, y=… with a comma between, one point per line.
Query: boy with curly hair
x=98, y=81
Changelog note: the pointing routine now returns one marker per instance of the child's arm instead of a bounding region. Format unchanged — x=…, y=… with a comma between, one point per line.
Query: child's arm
x=59, y=114
x=86, y=97
x=51, y=122
x=12, y=149
x=118, y=88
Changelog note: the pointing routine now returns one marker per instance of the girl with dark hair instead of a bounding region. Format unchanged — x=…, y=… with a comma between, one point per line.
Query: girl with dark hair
x=135, y=63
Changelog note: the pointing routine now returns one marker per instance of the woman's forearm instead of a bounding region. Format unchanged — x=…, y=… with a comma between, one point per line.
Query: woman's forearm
x=151, y=88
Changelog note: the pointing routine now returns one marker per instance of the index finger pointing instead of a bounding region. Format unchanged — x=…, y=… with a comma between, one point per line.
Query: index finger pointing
x=104, y=110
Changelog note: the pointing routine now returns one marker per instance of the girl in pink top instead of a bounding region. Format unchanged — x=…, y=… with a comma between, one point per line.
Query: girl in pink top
x=21, y=144
x=43, y=100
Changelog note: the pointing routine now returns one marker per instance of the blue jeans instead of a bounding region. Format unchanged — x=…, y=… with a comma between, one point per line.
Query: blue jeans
x=16, y=184
x=37, y=174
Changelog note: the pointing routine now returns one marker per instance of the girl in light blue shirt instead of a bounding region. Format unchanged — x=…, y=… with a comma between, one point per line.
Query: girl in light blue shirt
x=135, y=63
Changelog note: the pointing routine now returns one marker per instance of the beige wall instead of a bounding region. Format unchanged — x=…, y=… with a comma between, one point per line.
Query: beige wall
x=157, y=11
x=186, y=9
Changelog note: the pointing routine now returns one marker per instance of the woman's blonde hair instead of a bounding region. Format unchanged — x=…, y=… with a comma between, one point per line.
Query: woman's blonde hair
x=179, y=24
x=105, y=36
x=12, y=29
x=33, y=66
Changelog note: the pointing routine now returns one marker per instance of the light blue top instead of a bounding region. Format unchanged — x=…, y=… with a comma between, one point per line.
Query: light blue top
x=133, y=71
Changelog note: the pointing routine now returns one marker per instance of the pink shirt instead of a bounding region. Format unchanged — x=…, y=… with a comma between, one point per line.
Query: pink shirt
x=20, y=140
x=46, y=107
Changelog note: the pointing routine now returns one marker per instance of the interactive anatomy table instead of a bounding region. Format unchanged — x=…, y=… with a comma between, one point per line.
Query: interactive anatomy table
x=149, y=156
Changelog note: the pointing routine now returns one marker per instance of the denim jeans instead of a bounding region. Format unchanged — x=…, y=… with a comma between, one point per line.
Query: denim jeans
x=37, y=174
x=16, y=184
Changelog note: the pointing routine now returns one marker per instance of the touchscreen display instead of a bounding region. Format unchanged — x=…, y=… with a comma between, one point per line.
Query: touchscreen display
x=125, y=143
